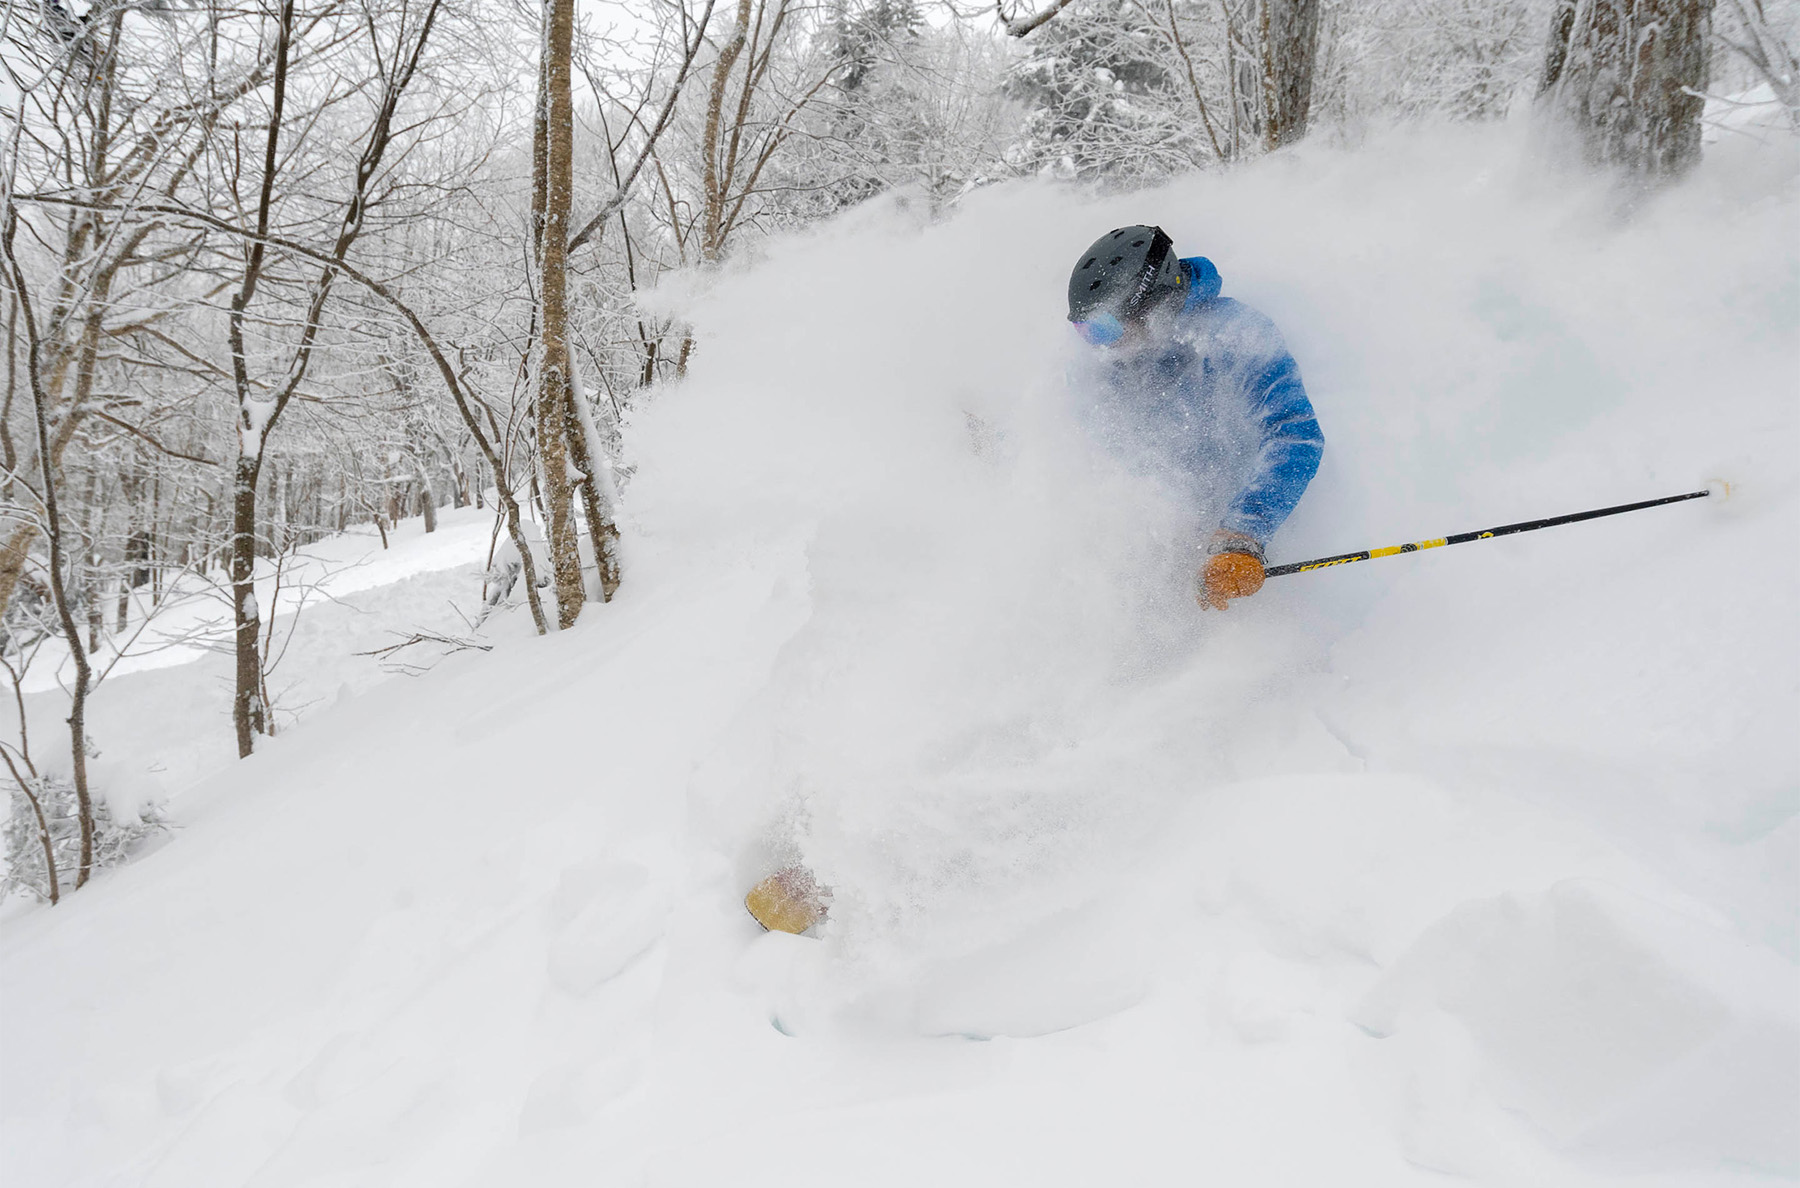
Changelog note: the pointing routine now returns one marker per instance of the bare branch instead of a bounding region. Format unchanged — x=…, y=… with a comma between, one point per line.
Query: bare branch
x=1019, y=28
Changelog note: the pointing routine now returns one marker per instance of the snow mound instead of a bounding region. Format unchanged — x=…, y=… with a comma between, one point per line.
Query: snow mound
x=1616, y=1026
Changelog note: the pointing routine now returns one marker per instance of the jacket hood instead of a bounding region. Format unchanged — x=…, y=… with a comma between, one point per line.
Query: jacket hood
x=1203, y=281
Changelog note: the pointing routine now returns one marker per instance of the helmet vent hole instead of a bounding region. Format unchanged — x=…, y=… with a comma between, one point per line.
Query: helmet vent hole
x=1115, y=260
x=1088, y=263
x=1137, y=243
x=1093, y=286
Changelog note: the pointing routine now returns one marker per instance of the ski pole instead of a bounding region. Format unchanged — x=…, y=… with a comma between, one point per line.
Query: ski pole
x=1503, y=530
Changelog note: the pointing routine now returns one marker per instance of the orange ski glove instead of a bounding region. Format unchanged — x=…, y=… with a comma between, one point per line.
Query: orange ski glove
x=790, y=900
x=1233, y=570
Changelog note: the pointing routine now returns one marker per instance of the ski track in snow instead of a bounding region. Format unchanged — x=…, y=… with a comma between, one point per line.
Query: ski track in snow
x=1481, y=863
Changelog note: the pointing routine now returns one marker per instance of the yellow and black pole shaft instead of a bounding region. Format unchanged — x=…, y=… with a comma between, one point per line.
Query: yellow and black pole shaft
x=1484, y=534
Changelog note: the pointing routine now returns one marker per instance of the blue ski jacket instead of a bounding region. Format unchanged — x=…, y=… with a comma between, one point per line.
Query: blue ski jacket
x=1217, y=406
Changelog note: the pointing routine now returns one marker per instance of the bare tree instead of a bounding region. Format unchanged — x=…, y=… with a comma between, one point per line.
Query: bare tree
x=750, y=114
x=1753, y=37
x=17, y=757
x=552, y=190
x=90, y=119
x=52, y=526
x=260, y=407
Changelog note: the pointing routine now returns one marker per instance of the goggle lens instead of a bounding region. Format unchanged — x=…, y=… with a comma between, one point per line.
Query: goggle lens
x=1101, y=330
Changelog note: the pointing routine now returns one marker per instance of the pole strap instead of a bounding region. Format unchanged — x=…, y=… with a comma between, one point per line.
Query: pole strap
x=1484, y=534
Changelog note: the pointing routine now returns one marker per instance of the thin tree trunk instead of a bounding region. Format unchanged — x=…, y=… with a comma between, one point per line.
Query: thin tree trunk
x=96, y=609
x=255, y=417
x=17, y=552
x=248, y=717
x=52, y=521
x=43, y=832
x=25, y=783
x=597, y=494
x=427, y=501
x=91, y=563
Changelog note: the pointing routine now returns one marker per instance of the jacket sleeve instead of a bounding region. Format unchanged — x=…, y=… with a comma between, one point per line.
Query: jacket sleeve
x=1290, y=446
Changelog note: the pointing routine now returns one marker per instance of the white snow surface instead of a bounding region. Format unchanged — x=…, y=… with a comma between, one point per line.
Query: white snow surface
x=161, y=715
x=1479, y=863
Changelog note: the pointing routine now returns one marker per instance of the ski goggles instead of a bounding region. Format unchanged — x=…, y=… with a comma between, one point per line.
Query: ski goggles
x=1103, y=329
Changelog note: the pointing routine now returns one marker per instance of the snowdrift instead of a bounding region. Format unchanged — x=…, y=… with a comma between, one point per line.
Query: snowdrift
x=1481, y=861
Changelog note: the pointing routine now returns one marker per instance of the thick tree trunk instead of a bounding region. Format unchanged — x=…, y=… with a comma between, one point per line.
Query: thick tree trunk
x=1624, y=77
x=555, y=395
x=1290, y=53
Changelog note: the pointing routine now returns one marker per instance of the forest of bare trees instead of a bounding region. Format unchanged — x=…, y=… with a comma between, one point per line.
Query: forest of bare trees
x=277, y=268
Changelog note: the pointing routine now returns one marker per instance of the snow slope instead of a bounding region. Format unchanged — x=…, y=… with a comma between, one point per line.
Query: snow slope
x=162, y=713
x=1480, y=862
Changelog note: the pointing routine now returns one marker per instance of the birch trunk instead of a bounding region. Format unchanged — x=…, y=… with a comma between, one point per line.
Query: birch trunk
x=553, y=174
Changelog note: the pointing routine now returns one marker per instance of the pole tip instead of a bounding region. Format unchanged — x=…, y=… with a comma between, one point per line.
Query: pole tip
x=1719, y=489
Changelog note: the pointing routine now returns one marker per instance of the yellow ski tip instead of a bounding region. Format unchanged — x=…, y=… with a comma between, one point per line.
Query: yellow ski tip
x=789, y=900
x=1719, y=489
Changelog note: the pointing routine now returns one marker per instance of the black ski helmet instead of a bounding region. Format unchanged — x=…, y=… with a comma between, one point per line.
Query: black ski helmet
x=1124, y=273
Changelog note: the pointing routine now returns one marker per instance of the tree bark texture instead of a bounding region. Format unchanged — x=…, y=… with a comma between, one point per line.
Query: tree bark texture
x=1290, y=49
x=248, y=714
x=712, y=234
x=1623, y=75
x=555, y=391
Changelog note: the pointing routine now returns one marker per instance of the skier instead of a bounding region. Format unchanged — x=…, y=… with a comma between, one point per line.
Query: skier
x=1200, y=385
